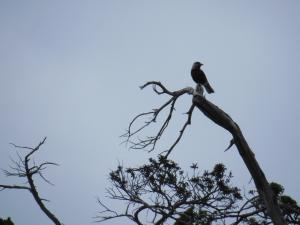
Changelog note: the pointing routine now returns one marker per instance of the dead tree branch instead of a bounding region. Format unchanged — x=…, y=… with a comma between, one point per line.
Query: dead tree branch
x=27, y=168
x=149, y=143
x=224, y=120
x=221, y=118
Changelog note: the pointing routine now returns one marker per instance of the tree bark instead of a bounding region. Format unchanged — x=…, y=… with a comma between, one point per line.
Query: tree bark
x=34, y=191
x=223, y=119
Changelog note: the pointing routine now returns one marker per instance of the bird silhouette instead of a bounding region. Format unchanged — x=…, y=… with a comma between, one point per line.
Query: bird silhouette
x=200, y=78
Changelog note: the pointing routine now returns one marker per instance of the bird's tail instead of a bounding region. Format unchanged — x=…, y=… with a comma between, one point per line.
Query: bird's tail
x=208, y=88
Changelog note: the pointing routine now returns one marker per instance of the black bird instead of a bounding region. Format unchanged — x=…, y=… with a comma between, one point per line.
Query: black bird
x=200, y=78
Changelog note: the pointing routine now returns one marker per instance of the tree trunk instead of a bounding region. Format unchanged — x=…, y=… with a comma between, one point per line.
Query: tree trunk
x=222, y=119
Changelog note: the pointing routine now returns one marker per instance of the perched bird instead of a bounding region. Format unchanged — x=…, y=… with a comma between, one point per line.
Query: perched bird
x=200, y=78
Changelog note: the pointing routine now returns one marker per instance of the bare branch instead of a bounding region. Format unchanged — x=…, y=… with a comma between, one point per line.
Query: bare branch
x=149, y=143
x=3, y=186
x=188, y=122
x=231, y=143
x=218, y=116
x=27, y=168
x=224, y=120
x=164, y=90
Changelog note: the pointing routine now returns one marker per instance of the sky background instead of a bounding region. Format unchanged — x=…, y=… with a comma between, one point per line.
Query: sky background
x=70, y=70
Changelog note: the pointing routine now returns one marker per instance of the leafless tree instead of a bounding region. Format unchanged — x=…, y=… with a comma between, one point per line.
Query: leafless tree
x=218, y=116
x=161, y=192
x=26, y=167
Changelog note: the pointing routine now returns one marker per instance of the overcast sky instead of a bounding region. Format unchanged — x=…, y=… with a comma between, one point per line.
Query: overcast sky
x=70, y=70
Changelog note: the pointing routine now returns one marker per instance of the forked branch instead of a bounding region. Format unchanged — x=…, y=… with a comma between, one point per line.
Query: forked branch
x=25, y=167
x=221, y=118
x=149, y=143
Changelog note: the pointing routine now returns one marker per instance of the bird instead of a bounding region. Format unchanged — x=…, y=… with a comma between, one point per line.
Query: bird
x=200, y=78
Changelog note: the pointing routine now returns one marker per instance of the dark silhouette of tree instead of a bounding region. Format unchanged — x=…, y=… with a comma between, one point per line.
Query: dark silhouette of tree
x=186, y=218
x=161, y=192
x=26, y=167
x=6, y=222
x=218, y=116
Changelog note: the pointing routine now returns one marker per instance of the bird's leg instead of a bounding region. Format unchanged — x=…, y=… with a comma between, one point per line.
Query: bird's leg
x=198, y=90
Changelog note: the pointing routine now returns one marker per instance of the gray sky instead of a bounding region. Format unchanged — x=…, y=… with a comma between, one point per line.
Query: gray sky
x=70, y=70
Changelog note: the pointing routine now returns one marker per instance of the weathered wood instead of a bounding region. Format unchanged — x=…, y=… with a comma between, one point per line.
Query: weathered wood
x=221, y=118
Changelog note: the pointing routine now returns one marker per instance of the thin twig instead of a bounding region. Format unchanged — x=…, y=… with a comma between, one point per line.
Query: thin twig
x=149, y=143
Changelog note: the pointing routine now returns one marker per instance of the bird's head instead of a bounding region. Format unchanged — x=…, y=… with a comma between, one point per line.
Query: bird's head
x=197, y=64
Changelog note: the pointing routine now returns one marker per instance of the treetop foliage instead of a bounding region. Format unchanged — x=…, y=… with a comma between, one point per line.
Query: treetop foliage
x=160, y=192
